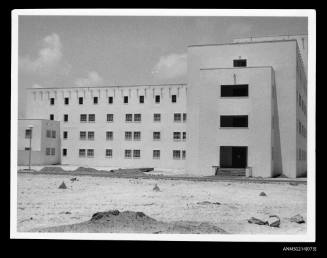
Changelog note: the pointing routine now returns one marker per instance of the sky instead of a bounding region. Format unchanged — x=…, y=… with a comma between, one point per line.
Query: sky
x=72, y=51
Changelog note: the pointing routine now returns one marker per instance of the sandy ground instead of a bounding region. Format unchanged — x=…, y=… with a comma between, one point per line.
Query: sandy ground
x=42, y=204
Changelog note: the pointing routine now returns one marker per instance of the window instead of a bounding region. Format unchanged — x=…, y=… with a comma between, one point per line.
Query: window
x=141, y=99
x=90, y=153
x=65, y=134
x=233, y=121
x=27, y=148
x=177, y=117
x=110, y=100
x=28, y=133
x=54, y=134
x=53, y=151
x=64, y=152
x=184, y=117
x=90, y=136
x=125, y=99
x=176, y=154
x=66, y=101
x=109, y=153
x=65, y=118
x=156, y=117
x=177, y=136
x=136, y=154
x=52, y=101
x=48, y=133
x=239, y=62
x=184, y=136
x=128, y=154
x=157, y=98
x=110, y=117
x=51, y=116
x=173, y=98
x=83, y=117
x=81, y=152
x=95, y=100
x=156, y=136
x=156, y=154
x=137, y=117
x=80, y=100
x=48, y=151
x=91, y=117
x=82, y=135
x=239, y=90
x=128, y=136
x=137, y=136
x=109, y=135
x=183, y=154
x=129, y=117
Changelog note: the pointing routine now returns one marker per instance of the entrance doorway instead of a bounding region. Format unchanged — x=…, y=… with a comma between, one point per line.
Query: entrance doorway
x=233, y=156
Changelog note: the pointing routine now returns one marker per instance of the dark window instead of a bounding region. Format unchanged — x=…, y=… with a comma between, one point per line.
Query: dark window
x=109, y=153
x=81, y=152
x=65, y=134
x=51, y=116
x=137, y=117
x=90, y=135
x=156, y=154
x=184, y=117
x=109, y=135
x=91, y=117
x=27, y=148
x=125, y=99
x=110, y=100
x=82, y=135
x=136, y=153
x=66, y=101
x=28, y=133
x=177, y=117
x=90, y=152
x=51, y=101
x=141, y=99
x=239, y=62
x=233, y=121
x=240, y=90
x=65, y=118
x=80, y=100
x=54, y=134
x=156, y=135
x=64, y=152
x=95, y=100
x=129, y=117
x=173, y=98
x=110, y=117
x=83, y=118
x=156, y=117
x=157, y=98
x=48, y=133
x=137, y=136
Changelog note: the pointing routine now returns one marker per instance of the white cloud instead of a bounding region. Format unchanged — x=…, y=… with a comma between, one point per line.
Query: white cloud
x=49, y=59
x=171, y=66
x=92, y=79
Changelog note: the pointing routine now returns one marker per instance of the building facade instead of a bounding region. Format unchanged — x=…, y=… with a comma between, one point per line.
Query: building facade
x=42, y=137
x=244, y=106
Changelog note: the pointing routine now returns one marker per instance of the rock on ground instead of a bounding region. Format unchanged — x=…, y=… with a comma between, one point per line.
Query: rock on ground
x=273, y=221
x=257, y=221
x=298, y=219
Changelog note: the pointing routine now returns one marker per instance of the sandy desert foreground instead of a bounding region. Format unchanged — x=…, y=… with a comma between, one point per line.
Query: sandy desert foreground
x=227, y=205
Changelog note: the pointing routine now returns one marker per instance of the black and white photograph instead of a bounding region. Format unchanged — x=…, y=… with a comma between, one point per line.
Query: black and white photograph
x=182, y=125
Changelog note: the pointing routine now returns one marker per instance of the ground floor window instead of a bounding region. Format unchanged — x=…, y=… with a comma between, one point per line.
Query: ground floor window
x=90, y=152
x=176, y=154
x=81, y=152
x=64, y=152
x=48, y=151
x=136, y=153
x=128, y=154
x=156, y=154
x=183, y=154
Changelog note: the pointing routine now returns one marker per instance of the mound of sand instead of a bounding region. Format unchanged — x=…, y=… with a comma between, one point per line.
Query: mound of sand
x=52, y=169
x=114, y=221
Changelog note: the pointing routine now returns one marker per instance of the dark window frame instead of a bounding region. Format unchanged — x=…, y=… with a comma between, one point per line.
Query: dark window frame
x=234, y=91
x=234, y=121
x=240, y=62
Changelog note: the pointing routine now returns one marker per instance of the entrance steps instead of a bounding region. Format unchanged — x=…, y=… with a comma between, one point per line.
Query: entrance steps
x=231, y=172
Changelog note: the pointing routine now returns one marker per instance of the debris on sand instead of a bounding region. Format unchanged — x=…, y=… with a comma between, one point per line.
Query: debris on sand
x=85, y=169
x=298, y=219
x=208, y=203
x=65, y=212
x=293, y=183
x=156, y=188
x=62, y=186
x=257, y=221
x=52, y=169
x=263, y=194
x=273, y=221
x=114, y=221
x=74, y=179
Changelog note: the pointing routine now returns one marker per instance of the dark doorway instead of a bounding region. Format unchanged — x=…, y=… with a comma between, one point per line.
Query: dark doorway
x=233, y=157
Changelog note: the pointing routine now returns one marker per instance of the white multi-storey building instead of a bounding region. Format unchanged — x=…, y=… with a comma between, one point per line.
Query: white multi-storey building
x=244, y=106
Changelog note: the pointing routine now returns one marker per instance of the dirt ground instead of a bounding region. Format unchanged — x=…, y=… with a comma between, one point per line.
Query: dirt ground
x=225, y=205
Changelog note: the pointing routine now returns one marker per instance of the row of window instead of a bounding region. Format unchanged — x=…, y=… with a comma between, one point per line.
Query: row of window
x=301, y=129
x=178, y=117
x=128, y=154
x=129, y=135
x=301, y=103
x=111, y=100
x=301, y=155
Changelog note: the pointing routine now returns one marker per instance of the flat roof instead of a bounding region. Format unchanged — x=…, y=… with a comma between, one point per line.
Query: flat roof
x=244, y=67
x=240, y=43
x=111, y=86
x=276, y=36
